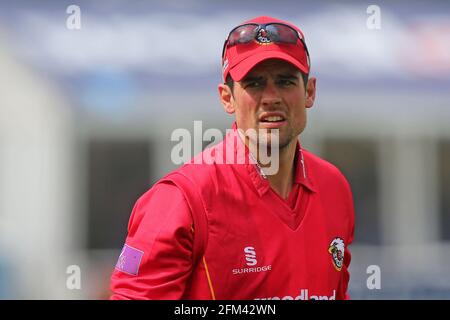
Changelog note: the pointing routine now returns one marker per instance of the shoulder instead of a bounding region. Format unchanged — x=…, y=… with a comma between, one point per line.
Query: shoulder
x=323, y=172
x=333, y=188
x=320, y=166
x=157, y=204
x=204, y=169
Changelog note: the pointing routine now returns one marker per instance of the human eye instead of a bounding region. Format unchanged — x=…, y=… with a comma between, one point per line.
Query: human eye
x=286, y=82
x=253, y=84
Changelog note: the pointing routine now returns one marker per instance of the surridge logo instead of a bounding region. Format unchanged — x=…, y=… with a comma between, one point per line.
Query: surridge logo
x=250, y=258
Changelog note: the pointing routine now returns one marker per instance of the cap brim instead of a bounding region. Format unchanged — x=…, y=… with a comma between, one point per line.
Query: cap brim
x=239, y=71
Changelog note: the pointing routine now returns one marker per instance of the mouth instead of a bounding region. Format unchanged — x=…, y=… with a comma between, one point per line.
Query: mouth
x=271, y=121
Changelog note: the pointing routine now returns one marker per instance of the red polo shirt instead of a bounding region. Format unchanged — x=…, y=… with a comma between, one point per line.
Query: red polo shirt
x=224, y=233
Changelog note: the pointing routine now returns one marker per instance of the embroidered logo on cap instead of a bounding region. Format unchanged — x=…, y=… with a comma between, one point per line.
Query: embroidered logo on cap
x=262, y=37
x=129, y=260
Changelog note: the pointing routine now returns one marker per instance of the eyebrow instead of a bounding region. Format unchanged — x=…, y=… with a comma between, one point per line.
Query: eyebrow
x=252, y=78
x=282, y=76
x=287, y=76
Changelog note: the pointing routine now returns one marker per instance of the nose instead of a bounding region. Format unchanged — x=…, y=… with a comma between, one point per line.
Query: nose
x=270, y=95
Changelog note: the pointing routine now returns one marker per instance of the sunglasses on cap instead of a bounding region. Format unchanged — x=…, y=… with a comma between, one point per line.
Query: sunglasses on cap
x=264, y=34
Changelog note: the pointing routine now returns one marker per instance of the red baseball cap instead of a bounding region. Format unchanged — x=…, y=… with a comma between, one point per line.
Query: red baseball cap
x=239, y=59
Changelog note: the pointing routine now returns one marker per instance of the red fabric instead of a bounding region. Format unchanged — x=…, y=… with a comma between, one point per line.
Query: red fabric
x=160, y=226
x=241, y=58
x=293, y=195
x=259, y=245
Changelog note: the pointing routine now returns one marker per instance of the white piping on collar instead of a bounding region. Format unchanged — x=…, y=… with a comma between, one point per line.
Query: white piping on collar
x=303, y=163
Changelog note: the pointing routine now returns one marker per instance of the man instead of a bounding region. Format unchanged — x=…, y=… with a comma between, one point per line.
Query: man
x=220, y=227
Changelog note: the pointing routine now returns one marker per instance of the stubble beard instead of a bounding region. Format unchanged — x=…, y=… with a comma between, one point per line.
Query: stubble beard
x=264, y=140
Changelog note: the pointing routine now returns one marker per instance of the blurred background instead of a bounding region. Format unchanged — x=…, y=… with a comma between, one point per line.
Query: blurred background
x=88, y=105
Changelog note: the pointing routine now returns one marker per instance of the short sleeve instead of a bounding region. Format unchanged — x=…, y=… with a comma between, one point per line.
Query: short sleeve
x=345, y=274
x=156, y=260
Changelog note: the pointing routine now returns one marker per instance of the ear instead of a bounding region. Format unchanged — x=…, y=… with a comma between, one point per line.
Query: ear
x=226, y=98
x=310, y=92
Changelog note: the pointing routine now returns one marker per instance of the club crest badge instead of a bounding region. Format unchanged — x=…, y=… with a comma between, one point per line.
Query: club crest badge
x=262, y=37
x=336, y=249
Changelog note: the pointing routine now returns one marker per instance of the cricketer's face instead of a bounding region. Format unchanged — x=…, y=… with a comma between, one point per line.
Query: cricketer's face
x=271, y=96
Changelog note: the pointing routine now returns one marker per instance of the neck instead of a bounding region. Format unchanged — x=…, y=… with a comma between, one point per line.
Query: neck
x=283, y=180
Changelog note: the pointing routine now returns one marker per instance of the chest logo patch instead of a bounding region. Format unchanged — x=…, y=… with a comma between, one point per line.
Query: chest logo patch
x=250, y=258
x=336, y=249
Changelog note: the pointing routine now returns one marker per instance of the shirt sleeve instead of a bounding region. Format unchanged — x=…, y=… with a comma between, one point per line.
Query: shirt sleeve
x=156, y=260
x=342, y=292
x=345, y=274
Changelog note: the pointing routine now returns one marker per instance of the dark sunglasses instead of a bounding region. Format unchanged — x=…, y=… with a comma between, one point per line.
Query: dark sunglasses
x=263, y=33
